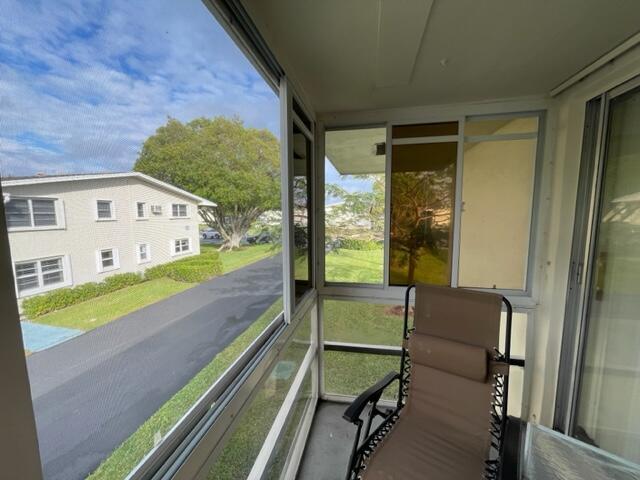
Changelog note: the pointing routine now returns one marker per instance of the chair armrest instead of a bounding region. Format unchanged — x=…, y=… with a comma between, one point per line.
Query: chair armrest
x=352, y=414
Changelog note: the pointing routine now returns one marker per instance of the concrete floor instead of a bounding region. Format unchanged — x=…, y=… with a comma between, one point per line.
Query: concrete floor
x=329, y=445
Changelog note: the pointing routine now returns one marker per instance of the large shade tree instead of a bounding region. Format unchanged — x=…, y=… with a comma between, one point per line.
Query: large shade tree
x=357, y=209
x=221, y=160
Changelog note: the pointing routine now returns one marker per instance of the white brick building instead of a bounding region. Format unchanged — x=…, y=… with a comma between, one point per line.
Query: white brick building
x=72, y=229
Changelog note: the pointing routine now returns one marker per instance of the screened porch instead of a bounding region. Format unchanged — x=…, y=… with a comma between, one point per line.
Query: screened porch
x=486, y=147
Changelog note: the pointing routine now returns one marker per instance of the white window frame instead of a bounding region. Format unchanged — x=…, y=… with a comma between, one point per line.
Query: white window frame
x=145, y=211
x=113, y=210
x=42, y=288
x=138, y=256
x=187, y=210
x=58, y=208
x=521, y=298
x=172, y=246
x=116, y=260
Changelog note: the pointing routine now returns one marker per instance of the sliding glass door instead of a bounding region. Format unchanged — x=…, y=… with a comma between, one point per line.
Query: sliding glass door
x=606, y=412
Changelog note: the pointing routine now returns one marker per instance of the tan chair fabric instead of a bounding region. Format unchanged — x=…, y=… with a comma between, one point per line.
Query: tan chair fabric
x=443, y=431
x=460, y=359
x=456, y=314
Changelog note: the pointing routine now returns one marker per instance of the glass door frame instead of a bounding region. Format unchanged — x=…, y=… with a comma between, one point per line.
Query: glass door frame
x=585, y=236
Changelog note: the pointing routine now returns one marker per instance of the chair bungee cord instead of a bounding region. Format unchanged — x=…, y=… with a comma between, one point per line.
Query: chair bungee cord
x=450, y=418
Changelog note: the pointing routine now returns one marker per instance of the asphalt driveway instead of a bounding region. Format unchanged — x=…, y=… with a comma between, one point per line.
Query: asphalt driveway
x=93, y=391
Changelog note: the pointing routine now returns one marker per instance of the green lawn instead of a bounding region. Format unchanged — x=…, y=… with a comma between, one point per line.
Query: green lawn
x=244, y=256
x=366, y=266
x=129, y=454
x=430, y=268
x=98, y=311
x=358, y=322
x=352, y=373
x=354, y=266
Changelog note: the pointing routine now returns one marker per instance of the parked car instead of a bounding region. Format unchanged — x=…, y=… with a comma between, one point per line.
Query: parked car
x=261, y=238
x=211, y=234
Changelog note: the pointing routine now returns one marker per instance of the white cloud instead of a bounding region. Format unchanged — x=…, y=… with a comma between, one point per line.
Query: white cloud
x=89, y=81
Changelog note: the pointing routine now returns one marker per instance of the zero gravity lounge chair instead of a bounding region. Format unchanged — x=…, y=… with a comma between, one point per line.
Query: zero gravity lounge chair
x=450, y=418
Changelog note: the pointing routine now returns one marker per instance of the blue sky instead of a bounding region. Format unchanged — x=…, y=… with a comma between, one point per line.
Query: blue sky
x=348, y=182
x=83, y=84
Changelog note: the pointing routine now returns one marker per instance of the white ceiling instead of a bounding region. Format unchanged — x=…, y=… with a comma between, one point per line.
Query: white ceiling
x=367, y=54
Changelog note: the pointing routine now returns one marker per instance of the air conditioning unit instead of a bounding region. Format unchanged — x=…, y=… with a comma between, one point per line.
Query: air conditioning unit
x=156, y=209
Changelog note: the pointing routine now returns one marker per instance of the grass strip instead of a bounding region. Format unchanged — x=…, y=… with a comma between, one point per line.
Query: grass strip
x=101, y=310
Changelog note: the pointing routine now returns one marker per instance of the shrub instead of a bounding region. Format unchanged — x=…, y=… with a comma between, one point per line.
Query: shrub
x=190, y=272
x=194, y=269
x=122, y=280
x=65, y=297
x=158, y=271
x=357, y=244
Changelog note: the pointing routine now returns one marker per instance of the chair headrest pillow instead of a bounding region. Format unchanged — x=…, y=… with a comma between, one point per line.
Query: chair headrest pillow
x=461, y=359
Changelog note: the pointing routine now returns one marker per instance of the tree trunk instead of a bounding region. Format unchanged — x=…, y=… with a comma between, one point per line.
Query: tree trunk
x=232, y=242
x=412, y=267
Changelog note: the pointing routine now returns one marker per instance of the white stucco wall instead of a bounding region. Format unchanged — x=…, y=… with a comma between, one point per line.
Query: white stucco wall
x=497, y=194
x=82, y=235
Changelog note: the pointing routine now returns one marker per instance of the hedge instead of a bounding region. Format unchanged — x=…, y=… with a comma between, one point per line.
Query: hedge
x=194, y=269
x=65, y=297
x=357, y=244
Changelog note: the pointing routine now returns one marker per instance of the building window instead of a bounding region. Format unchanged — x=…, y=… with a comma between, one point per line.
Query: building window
x=143, y=253
x=44, y=212
x=182, y=245
x=108, y=259
x=35, y=275
x=141, y=210
x=179, y=209
x=105, y=210
x=31, y=212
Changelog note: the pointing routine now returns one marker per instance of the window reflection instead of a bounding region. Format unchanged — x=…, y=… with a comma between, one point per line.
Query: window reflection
x=301, y=212
x=422, y=201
